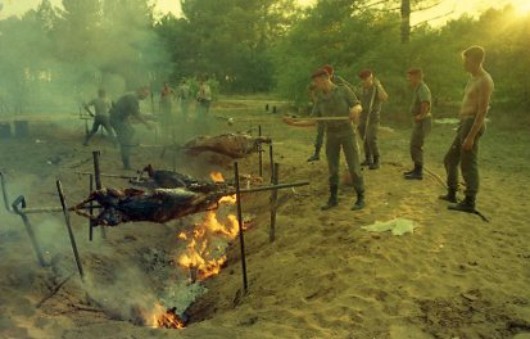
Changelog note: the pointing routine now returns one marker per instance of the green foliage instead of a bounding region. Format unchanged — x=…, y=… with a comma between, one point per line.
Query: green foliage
x=252, y=46
x=354, y=37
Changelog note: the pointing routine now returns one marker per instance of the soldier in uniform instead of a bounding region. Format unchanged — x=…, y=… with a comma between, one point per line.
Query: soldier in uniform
x=421, y=111
x=319, y=139
x=126, y=107
x=184, y=94
x=204, y=99
x=337, y=102
x=166, y=106
x=465, y=147
x=101, y=106
x=372, y=95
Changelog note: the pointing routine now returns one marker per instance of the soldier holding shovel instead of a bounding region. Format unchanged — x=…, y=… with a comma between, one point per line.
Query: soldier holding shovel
x=337, y=107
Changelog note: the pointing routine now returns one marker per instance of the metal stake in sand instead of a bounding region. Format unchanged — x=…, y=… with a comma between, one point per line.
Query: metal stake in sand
x=97, y=177
x=273, y=202
x=69, y=227
x=18, y=205
x=260, y=154
x=240, y=222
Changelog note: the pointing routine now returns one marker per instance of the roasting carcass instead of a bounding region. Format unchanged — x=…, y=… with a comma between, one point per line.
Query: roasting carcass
x=159, y=206
x=169, y=179
x=232, y=145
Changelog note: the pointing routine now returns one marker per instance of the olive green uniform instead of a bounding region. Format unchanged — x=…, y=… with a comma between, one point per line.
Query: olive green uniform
x=468, y=160
x=127, y=106
x=370, y=118
x=319, y=139
x=422, y=128
x=340, y=134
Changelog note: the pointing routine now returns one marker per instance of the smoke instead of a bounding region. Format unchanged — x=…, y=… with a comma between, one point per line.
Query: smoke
x=54, y=58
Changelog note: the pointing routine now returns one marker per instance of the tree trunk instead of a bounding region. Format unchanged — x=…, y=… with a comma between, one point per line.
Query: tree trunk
x=405, y=21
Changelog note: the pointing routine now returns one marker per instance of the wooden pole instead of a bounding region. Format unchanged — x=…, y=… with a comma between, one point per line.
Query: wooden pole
x=271, y=160
x=240, y=222
x=119, y=176
x=97, y=171
x=69, y=227
x=323, y=119
x=273, y=202
x=4, y=193
x=260, y=154
x=97, y=178
x=91, y=208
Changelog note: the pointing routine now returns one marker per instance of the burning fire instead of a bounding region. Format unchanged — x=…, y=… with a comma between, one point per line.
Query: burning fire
x=202, y=251
x=166, y=318
x=204, y=254
x=217, y=177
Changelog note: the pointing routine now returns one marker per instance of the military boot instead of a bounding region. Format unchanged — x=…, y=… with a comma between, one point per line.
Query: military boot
x=314, y=157
x=359, y=204
x=333, y=199
x=126, y=163
x=416, y=174
x=466, y=205
x=375, y=164
x=450, y=196
x=367, y=161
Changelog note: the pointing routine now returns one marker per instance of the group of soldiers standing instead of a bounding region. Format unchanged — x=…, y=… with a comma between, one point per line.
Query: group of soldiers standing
x=340, y=112
x=115, y=117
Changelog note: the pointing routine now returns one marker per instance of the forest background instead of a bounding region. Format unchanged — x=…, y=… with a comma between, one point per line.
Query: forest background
x=52, y=58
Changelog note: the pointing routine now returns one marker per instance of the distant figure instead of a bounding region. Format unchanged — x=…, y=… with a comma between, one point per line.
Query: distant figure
x=101, y=105
x=166, y=104
x=319, y=139
x=126, y=107
x=340, y=103
x=421, y=111
x=372, y=95
x=465, y=146
x=204, y=99
x=184, y=95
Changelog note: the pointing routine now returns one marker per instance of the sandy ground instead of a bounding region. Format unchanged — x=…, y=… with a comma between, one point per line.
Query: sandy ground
x=324, y=276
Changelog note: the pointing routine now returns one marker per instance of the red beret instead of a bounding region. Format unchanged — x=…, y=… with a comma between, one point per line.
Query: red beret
x=319, y=72
x=415, y=71
x=365, y=73
x=328, y=69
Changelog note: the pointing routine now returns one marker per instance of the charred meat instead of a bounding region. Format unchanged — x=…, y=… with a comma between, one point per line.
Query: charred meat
x=169, y=179
x=159, y=206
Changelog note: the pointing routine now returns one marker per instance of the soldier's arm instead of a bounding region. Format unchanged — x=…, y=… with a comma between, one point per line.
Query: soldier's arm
x=87, y=107
x=355, y=113
x=425, y=106
x=136, y=114
x=354, y=104
x=381, y=93
x=485, y=89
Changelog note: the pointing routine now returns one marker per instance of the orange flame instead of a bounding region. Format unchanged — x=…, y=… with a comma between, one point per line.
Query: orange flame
x=202, y=254
x=165, y=318
x=217, y=176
